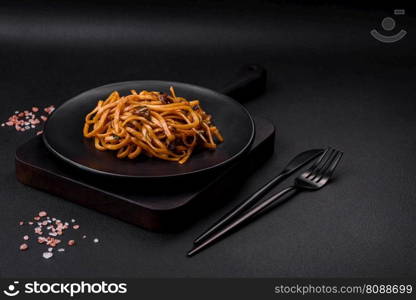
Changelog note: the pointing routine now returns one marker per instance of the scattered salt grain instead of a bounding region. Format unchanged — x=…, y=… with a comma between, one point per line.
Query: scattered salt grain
x=41, y=240
x=49, y=109
x=52, y=241
x=46, y=231
x=47, y=255
x=27, y=119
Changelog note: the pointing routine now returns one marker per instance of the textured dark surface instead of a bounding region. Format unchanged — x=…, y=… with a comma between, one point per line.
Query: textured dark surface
x=330, y=83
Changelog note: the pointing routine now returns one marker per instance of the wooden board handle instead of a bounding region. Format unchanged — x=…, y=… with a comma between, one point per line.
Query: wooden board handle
x=249, y=82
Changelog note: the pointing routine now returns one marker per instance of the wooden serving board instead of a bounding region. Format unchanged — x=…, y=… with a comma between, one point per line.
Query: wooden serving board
x=158, y=205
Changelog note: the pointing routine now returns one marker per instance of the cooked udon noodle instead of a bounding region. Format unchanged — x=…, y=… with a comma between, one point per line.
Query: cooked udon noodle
x=151, y=123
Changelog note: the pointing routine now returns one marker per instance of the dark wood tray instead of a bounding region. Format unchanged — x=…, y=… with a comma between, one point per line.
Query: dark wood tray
x=159, y=205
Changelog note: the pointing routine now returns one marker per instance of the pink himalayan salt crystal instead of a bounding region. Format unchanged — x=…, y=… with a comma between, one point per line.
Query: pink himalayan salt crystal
x=26, y=120
x=49, y=109
x=23, y=247
x=41, y=240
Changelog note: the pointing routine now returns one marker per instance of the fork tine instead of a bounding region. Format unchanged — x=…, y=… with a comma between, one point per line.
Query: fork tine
x=321, y=163
x=317, y=162
x=318, y=171
x=328, y=164
x=333, y=165
x=324, y=163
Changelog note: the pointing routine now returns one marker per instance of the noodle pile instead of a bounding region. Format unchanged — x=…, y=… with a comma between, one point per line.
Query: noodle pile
x=155, y=124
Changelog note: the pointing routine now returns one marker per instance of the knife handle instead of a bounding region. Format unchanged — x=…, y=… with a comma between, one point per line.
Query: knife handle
x=249, y=82
x=241, y=207
x=271, y=202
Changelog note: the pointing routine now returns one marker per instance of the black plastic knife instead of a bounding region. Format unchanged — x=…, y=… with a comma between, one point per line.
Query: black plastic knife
x=296, y=163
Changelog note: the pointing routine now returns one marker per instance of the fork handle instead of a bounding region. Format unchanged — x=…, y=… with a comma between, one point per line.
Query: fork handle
x=261, y=207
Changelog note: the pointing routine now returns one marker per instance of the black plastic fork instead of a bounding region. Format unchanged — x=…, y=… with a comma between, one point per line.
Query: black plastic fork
x=313, y=179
